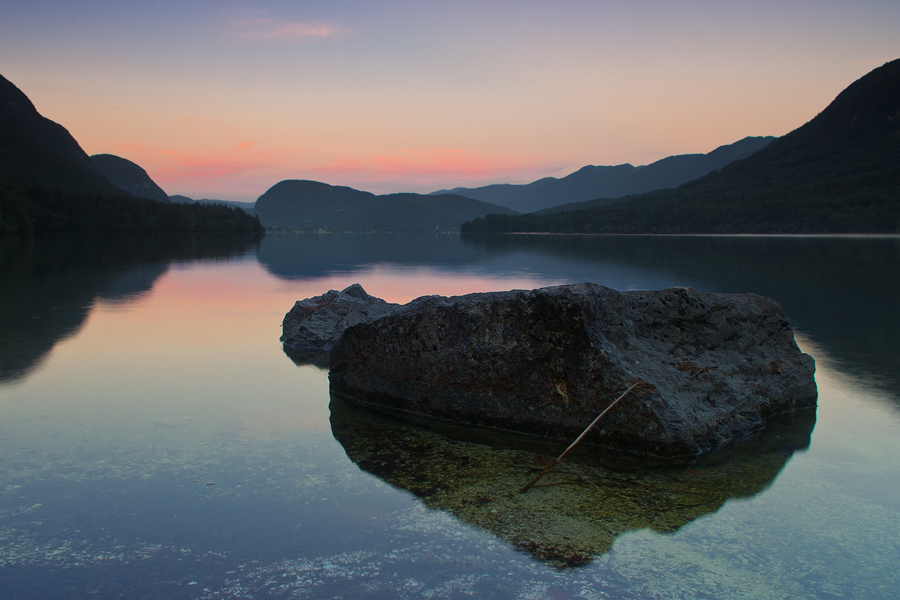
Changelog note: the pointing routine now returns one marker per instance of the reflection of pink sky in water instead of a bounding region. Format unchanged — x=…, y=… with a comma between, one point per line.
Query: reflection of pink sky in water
x=404, y=284
x=246, y=284
x=196, y=307
x=181, y=352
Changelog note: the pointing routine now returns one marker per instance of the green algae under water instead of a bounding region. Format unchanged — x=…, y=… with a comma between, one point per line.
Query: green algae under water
x=575, y=514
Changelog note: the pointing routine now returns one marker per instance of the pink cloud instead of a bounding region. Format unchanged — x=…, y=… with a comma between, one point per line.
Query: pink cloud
x=179, y=167
x=232, y=173
x=264, y=27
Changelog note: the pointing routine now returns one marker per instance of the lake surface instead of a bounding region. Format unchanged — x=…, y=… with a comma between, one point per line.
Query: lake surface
x=156, y=441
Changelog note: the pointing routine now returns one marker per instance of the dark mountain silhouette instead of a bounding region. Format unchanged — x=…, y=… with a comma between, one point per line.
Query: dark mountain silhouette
x=48, y=183
x=311, y=205
x=838, y=173
x=128, y=177
x=592, y=182
x=247, y=207
x=36, y=151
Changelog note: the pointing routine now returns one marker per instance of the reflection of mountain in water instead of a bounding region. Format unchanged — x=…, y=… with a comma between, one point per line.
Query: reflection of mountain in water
x=578, y=511
x=307, y=256
x=48, y=285
x=842, y=292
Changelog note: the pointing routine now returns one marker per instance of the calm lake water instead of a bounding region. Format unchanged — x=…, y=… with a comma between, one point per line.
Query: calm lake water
x=156, y=441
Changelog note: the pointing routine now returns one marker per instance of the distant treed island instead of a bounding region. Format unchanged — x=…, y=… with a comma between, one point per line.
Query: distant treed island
x=839, y=173
x=49, y=184
x=310, y=206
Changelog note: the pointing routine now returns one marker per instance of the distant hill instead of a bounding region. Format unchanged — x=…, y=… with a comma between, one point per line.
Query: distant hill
x=838, y=173
x=311, y=205
x=48, y=183
x=592, y=182
x=247, y=207
x=128, y=177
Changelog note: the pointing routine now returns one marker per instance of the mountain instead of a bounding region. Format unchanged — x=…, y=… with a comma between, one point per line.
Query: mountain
x=49, y=184
x=592, y=182
x=247, y=207
x=838, y=173
x=35, y=151
x=311, y=205
x=127, y=176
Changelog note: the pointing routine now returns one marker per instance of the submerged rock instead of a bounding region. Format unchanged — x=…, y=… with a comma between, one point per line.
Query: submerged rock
x=313, y=325
x=546, y=362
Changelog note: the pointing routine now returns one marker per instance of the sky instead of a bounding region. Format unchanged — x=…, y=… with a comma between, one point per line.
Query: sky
x=223, y=99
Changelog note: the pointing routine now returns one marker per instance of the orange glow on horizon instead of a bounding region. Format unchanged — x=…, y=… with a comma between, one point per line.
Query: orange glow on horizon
x=431, y=169
x=431, y=162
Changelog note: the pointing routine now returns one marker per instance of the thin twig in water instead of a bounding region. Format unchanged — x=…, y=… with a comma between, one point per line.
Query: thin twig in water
x=555, y=483
x=583, y=433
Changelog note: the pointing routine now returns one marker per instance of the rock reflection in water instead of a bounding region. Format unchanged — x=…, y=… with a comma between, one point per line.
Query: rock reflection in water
x=578, y=510
x=301, y=359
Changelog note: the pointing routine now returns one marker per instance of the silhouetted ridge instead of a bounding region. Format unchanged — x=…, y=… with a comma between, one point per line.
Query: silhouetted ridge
x=128, y=177
x=36, y=151
x=838, y=173
x=48, y=183
x=587, y=183
x=311, y=205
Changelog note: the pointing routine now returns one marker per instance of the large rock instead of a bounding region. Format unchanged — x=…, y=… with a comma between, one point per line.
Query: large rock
x=313, y=325
x=545, y=362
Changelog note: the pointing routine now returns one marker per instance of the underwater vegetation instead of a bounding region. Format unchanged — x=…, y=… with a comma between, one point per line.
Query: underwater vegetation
x=577, y=511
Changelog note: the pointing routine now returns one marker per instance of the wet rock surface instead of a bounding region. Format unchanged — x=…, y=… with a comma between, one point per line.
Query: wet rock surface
x=546, y=362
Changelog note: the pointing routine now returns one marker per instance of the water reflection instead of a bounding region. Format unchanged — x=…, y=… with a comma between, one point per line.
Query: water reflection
x=106, y=452
x=843, y=292
x=309, y=256
x=579, y=510
x=316, y=359
x=50, y=284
